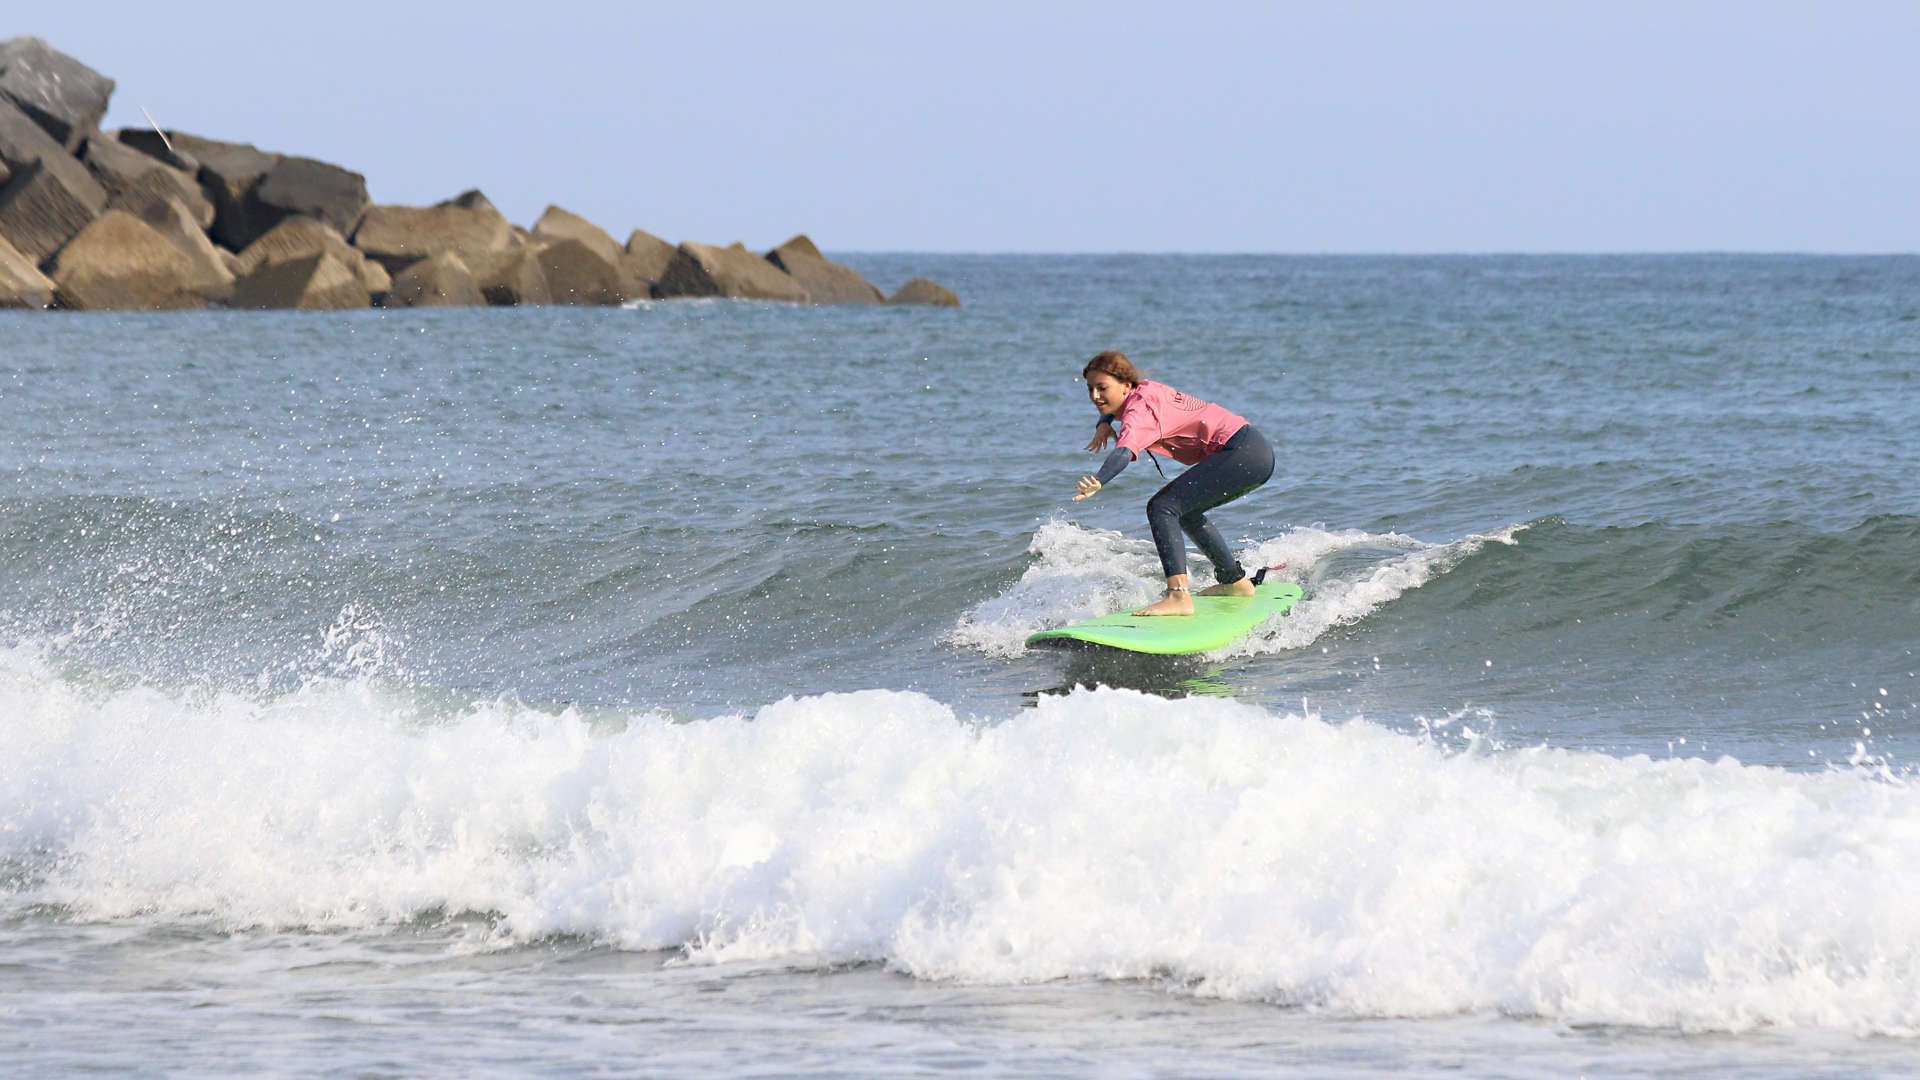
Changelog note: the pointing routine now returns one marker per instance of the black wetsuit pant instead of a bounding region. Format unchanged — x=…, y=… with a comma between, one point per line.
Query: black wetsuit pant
x=1235, y=469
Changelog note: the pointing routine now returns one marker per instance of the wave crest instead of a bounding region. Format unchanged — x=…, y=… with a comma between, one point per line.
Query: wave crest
x=1229, y=850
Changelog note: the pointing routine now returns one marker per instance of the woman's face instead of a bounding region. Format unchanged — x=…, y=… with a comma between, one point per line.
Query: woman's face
x=1106, y=391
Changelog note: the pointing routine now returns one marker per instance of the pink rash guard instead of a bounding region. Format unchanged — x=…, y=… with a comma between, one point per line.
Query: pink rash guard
x=1156, y=417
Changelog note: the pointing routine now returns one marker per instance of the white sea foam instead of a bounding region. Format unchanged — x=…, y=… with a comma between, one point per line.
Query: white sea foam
x=1079, y=573
x=1205, y=843
x=1394, y=565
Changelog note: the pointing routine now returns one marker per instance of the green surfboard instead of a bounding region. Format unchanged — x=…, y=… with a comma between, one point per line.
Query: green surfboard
x=1216, y=622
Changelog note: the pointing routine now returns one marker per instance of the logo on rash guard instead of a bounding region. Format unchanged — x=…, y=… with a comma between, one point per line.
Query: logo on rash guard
x=1186, y=402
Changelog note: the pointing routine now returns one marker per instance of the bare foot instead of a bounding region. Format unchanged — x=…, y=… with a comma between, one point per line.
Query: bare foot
x=1243, y=587
x=1174, y=603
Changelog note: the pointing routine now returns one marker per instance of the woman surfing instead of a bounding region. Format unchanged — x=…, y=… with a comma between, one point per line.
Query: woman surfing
x=1227, y=458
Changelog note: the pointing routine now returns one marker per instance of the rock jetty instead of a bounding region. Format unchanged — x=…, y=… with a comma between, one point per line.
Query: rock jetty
x=143, y=220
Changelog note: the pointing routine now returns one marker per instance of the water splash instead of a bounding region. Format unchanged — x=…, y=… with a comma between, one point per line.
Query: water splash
x=1204, y=844
x=1079, y=573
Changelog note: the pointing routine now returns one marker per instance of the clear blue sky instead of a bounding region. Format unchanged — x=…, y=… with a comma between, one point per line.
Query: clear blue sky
x=1471, y=126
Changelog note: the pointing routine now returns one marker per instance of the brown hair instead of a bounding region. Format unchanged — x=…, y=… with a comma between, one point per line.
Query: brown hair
x=1115, y=363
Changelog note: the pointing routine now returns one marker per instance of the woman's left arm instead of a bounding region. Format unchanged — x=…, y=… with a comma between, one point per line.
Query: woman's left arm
x=1116, y=461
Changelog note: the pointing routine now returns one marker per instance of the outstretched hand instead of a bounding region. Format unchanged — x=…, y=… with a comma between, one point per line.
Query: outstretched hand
x=1088, y=485
x=1102, y=435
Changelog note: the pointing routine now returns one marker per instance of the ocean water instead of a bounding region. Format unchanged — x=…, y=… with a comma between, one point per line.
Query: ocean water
x=642, y=691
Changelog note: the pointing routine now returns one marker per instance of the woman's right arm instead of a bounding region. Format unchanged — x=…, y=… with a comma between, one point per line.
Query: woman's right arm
x=1103, y=434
